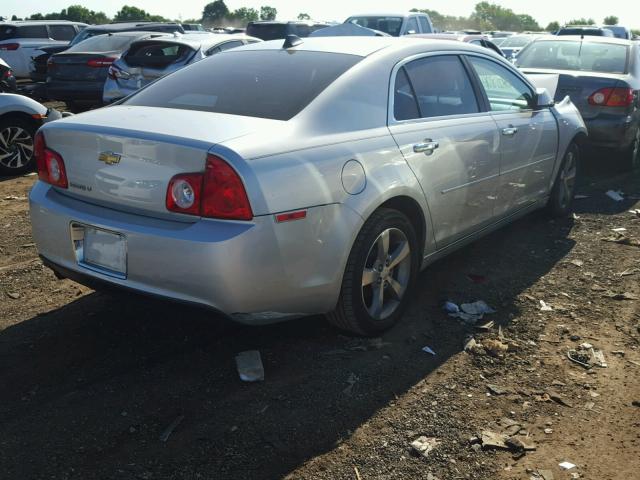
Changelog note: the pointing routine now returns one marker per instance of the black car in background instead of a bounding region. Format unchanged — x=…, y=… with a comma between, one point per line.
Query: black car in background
x=77, y=75
x=39, y=68
x=601, y=75
x=585, y=30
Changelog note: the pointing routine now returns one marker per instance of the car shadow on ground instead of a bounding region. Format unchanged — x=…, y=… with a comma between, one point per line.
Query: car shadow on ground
x=90, y=387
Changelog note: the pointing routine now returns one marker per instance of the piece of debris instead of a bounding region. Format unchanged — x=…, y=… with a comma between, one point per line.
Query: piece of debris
x=357, y=472
x=428, y=350
x=470, y=345
x=619, y=230
x=615, y=196
x=469, y=313
x=249, y=365
x=15, y=197
x=581, y=358
x=493, y=440
x=546, y=474
x=589, y=405
x=495, y=347
x=544, y=307
x=451, y=307
x=566, y=465
x=520, y=442
x=588, y=356
x=618, y=352
x=556, y=397
x=424, y=445
x=629, y=272
x=622, y=239
x=169, y=430
x=548, y=431
x=13, y=295
x=635, y=212
x=498, y=390
x=621, y=296
x=580, y=197
x=635, y=403
x=486, y=326
x=577, y=263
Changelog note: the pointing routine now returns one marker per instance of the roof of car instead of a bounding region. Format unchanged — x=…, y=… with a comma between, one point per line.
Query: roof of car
x=460, y=37
x=28, y=23
x=387, y=14
x=199, y=40
x=281, y=22
x=586, y=38
x=127, y=25
x=359, y=46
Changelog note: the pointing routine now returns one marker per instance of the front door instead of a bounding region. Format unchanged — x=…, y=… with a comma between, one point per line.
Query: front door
x=451, y=145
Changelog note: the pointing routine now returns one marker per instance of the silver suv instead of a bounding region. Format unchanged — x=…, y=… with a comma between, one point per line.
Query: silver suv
x=19, y=40
x=394, y=24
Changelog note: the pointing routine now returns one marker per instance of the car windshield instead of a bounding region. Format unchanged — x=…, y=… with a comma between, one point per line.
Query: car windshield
x=515, y=42
x=594, y=32
x=102, y=43
x=275, y=84
x=570, y=55
x=390, y=25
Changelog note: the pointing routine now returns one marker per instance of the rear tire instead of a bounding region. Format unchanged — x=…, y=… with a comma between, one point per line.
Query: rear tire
x=379, y=275
x=16, y=145
x=564, y=188
x=630, y=157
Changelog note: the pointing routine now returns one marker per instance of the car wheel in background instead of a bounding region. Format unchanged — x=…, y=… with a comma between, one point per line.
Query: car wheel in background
x=380, y=272
x=16, y=145
x=564, y=188
x=631, y=156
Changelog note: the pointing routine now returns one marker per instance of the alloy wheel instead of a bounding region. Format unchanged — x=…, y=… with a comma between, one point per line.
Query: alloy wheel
x=568, y=178
x=16, y=147
x=386, y=274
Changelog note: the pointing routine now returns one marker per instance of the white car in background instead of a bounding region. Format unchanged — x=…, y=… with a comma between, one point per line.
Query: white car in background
x=20, y=40
x=151, y=58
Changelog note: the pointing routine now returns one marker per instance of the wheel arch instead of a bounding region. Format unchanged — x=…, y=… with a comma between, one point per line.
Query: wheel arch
x=409, y=207
x=22, y=116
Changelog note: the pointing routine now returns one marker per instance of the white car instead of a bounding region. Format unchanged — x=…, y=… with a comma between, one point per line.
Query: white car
x=20, y=40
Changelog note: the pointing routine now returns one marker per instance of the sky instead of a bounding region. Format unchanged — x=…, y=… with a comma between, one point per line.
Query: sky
x=544, y=11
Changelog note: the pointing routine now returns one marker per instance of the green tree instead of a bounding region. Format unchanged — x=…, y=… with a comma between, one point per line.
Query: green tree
x=214, y=12
x=553, y=27
x=245, y=15
x=528, y=23
x=268, y=13
x=304, y=16
x=582, y=21
x=134, y=14
x=611, y=20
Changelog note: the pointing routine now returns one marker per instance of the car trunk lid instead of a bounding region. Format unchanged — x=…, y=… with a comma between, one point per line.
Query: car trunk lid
x=123, y=157
x=80, y=66
x=579, y=86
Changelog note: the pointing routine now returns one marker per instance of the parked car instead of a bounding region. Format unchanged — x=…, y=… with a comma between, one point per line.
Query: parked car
x=193, y=27
x=38, y=68
x=77, y=75
x=20, y=118
x=512, y=45
x=394, y=24
x=602, y=77
x=273, y=30
x=585, y=30
x=620, y=32
x=340, y=171
x=147, y=59
x=479, y=40
x=19, y=40
x=8, y=82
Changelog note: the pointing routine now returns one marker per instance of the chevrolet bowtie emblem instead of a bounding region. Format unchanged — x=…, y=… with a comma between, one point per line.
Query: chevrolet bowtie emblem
x=109, y=158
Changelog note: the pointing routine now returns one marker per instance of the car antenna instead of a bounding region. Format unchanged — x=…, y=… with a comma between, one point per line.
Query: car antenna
x=291, y=41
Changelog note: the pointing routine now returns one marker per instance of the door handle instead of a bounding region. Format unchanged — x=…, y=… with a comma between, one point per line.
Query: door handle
x=510, y=131
x=427, y=147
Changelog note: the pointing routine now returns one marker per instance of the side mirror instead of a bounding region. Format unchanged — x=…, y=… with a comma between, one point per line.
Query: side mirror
x=542, y=99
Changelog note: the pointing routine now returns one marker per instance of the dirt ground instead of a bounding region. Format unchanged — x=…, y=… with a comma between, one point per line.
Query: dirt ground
x=90, y=381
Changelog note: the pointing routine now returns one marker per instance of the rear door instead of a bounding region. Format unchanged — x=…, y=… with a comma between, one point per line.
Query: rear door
x=528, y=137
x=450, y=143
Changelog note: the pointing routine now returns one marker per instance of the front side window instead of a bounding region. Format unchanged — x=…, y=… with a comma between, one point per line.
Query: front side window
x=424, y=25
x=504, y=89
x=412, y=25
x=442, y=86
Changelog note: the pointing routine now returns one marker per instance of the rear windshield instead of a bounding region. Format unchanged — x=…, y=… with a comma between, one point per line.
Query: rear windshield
x=103, y=43
x=390, y=25
x=274, y=84
x=156, y=54
x=7, y=32
x=267, y=31
x=593, y=32
x=515, y=42
x=580, y=56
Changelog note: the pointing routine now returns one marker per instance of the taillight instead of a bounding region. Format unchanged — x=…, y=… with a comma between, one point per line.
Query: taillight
x=10, y=46
x=7, y=74
x=100, y=62
x=612, y=97
x=216, y=193
x=50, y=164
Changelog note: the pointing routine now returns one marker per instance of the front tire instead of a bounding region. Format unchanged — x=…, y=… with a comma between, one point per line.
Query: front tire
x=379, y=275
x=16, y=145
x=630, y=157
x=564, y=188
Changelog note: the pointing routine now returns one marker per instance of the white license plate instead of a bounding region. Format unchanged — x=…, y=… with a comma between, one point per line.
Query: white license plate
x=105, y=249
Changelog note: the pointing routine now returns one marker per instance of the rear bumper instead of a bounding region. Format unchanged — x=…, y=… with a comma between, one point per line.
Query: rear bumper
x=615, y=132
x=75, y=91
x=256, y=272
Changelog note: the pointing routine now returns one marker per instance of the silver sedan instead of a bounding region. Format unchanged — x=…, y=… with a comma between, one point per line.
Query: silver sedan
x=279, y=180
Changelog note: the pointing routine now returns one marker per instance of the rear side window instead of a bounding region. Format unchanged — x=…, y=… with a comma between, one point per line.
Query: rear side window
x=103, y=43
x=32, y=31
x=7, y=32
x=442, y=86
x=405, y=105
x=62, y=32
x=274, y=84
x=424, y=25
x=591, y=56
x=504, y=89
x=156, y=54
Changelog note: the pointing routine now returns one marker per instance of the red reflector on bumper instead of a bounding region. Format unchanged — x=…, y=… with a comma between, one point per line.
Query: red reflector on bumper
x=289, y=216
